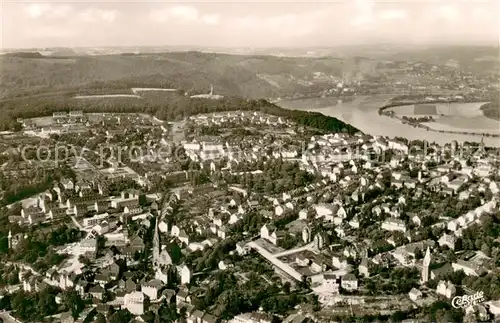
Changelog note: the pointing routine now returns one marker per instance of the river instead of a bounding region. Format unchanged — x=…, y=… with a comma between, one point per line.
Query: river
x=362, y=113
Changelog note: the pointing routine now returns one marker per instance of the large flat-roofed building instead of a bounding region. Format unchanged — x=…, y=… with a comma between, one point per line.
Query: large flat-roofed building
x=72, y=117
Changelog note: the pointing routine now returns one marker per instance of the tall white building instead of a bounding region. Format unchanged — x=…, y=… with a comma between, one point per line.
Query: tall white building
x=9, y=240
x=156, y=245
x=185, y=275
x=425, y=266
x=135, y=302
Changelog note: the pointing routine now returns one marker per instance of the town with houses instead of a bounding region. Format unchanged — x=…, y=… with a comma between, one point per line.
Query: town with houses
x=244, y=217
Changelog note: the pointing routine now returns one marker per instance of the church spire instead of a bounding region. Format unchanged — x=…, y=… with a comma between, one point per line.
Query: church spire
x=425, y=266
x=481, y=145
x=156, y=243
x=9, y=240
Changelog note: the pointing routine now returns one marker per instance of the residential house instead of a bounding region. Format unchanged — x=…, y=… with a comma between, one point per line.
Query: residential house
x=97, y=292
x=241, y=248
x=306, y=213
x=35, y=218
x=331, y=282
x=182, y=297
x=446, y=288
x=88, y=247
x=102, y=279
x=136, y=302
x=196, y=317
x=339, y=262
x=56, y=213
x=208, y=318
x=297, y=318
x=349, y=282
x=169, y=295
x=415, y=294
x=130, y=285
x=447, y=240
x=136, y=244
x=266, y=230
x=175, y=231
x=183, y=237
x=364, y=267
x=222, y=232
x=152, y=288
x=354, y=223
x=185, y=275
x=162, y=275
x=394, y=225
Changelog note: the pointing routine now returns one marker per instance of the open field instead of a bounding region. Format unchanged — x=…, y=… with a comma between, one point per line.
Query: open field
x=136, y=90
x=43, y=121
x=104, y=96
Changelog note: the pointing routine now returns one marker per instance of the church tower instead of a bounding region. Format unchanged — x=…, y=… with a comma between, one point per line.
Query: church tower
x=156, y=244
x=425, y=266
x=482, y=149
x=9, y=240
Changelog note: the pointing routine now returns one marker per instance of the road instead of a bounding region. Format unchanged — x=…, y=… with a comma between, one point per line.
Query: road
x=7, y=318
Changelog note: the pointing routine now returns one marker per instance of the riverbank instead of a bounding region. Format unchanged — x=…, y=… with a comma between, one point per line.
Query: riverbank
x=449, y=123
x=491, y=110
x=363, y=114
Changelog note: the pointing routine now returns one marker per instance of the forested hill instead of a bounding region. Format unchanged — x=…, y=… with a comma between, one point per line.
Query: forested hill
x=172, y=108
x=24, y=55
x=246, y=76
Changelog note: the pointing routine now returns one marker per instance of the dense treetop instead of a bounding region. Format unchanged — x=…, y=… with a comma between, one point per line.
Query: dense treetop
x=169, y=108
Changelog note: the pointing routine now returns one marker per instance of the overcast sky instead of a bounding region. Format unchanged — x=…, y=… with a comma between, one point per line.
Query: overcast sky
x=247, y=23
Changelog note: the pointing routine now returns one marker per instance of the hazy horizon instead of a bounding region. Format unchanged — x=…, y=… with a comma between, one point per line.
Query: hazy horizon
x=257, y=25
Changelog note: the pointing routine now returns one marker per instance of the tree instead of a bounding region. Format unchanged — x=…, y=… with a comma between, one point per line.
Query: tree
x=175, y=252
x=286, y=287
x=486, y=249
x=120, y=316
x=142, y=200
x=73, y=302
x=315, y=303
x=168, y=313
x=23, y=305
x=13, y=278
x=5, y=303
x=100, y=318
x=148, y=317
x=84, y=260
x=46, y=303
x=418, y=253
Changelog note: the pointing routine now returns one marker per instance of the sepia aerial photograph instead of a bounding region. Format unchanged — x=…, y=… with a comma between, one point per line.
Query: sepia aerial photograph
x=249, y=161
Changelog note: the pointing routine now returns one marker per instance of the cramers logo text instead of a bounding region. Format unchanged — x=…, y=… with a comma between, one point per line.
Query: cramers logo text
x=467, y=300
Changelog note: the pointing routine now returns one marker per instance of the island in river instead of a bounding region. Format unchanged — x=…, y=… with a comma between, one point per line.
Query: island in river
x=492, y=109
